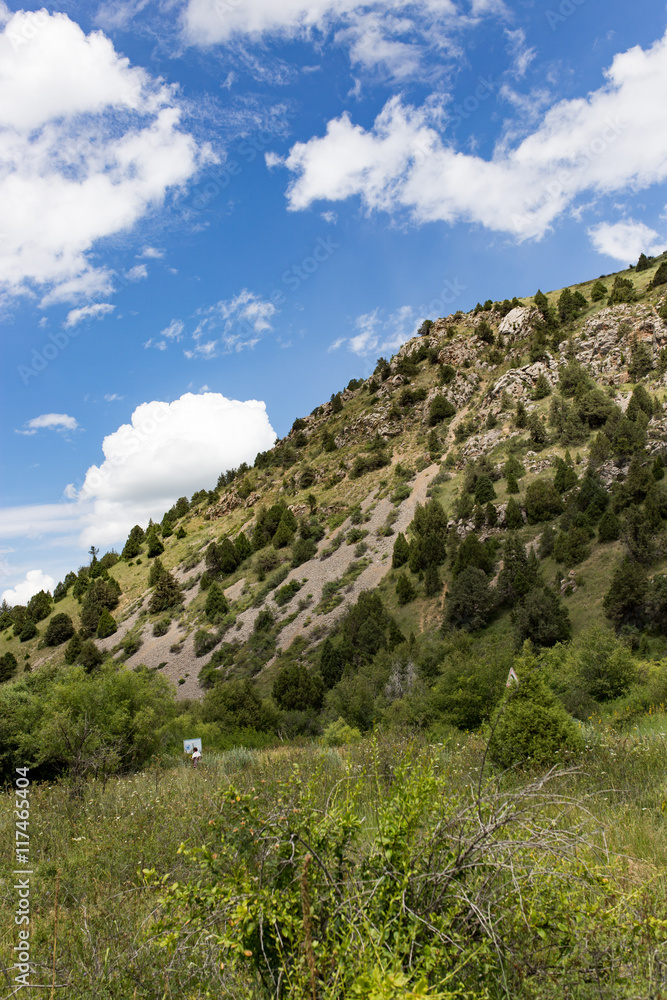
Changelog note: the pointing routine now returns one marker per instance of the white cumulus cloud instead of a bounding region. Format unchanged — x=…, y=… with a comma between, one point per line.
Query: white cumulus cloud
x=625, y=241
x=88, y=145
x=166, y=451
x=34, y=581
x=613, y=139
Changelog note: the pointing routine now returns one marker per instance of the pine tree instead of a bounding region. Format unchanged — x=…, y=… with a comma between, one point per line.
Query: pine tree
x=401, y=552
x=243, y=547
x=216, y=603
x=155, y=546
x=167, y=594
x=73, y=648
x=332, y=662
x=106, y=626
x=512, y=485
x=432, y=582
x=521, y=417
x=404, y=589
x=484, y=491
x=513, y=518
x=284, y=535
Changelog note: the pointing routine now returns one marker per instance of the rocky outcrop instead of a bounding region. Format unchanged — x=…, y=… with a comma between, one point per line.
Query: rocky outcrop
x=520, y=382
x=518, y=323
x=607, y=338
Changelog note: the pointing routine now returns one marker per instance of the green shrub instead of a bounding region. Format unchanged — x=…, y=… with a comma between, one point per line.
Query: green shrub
x=59, y=629
x=542, y=501
x=339, y=734
x=531, y=725
x=285, y=594
x=162, y=626
x=440, y=409
x=205, y=641
x=106, y=626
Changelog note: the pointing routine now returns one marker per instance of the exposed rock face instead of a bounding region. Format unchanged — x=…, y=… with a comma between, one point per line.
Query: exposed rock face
x=610, y=473
x=518, y=322
x=520, y=382
x=230, y=502
x=607, y=338
x=657, y=435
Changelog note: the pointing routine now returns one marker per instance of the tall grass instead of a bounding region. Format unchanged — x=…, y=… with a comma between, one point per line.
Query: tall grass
x=97, y=840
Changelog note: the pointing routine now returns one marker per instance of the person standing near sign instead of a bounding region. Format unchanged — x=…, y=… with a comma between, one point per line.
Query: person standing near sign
x=196, y=756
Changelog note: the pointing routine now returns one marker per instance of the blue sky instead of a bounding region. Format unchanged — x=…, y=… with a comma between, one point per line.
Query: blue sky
x=215, y=213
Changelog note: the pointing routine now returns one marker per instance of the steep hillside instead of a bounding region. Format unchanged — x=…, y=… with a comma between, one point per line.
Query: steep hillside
x=490, y=478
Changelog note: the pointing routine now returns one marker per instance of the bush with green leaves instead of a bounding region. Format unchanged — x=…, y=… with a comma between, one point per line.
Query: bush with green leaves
x=625, y=601
x=542, y=501
x=660, y=276
x=8, y=666
x=440, y=409
x=599, y=291
x=531, y=727
x=339, y=734
x=162, y=626
x=623, y=290
x=513, y=515
x=29, y=630
x=285, y=594
x=59, y=629
x=425, y=883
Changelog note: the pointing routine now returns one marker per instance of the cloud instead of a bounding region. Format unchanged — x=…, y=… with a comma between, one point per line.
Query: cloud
x=392, y=40
x=34, y=581
x=174, y=331
x=152, y=253
x=112, y=397
x=88, y=145
x=625, y=241
x=233, y=324
x=167, y=450
x=613, y=139
x=378, y=333
x=96, y=311
x=51, y=422
x=522, y=55
x=137, y=273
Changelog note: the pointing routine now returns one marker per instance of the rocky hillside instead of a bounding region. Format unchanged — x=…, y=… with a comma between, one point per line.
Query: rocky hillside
x=488, y=480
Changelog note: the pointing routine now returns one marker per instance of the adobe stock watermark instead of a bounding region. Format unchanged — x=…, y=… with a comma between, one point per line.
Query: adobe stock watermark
x=26, y=26
x=565, y=9
x=22, y=874
x=40, y=359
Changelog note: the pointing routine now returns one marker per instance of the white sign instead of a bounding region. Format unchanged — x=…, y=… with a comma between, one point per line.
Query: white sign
x=189, y=745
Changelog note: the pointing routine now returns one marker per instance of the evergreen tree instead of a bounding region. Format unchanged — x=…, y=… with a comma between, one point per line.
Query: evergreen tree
x=332, y=663
x=404, y=589
x=469, y=600
x=73, y=648
x=531, y=725
x=167, y=594
x=521, y=417
x=598, y=291
x=432, y=582
x=491, y=515
x=284, y=534
x=154, y=544
x=59, y=629
x=216, y=605
x=565, y=477
x=243, y=547
x=39, y=606
x=609, y=527
x=8, y=666
x=542, y=618
x=296, y=688
x=228, y=558
x=513, y=517
x=29, y=631
x=542, y=387
x=660, y=276
x=512, y=485
x=106, y=626
x=624, y=602
x=401, y=552
x=90, y=656
x=484, y=491
x=643, y=263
